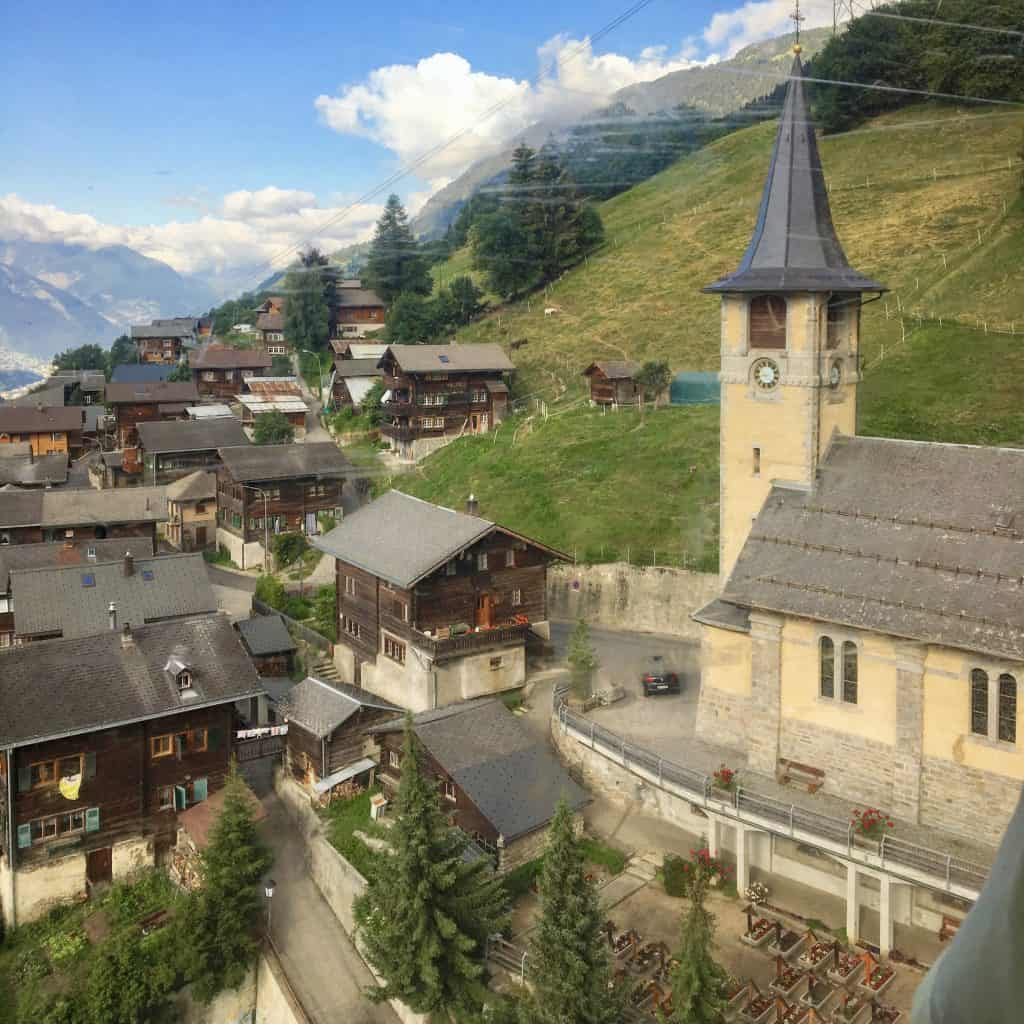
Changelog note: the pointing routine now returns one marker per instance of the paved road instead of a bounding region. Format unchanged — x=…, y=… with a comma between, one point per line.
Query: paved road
x=223, y=578
x=321, y=963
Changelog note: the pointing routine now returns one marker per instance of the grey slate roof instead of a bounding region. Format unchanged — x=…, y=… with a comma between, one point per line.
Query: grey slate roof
x=50, y=599
x=347, y=296
x=63, y=687
x=159, y=437
x=135, y=373
x=450, y=358
x=270, y=322
x=50, y=397
x=265, y=634
x=320, y=459
x=183, y=328
x=20, y=507
x=27, y=419
x=215, y=355
x=153, y=391
x=623, y=369
x=15, y=557
x=34, y=471
x=357, y=368
x=320, y=707
x=194, y=487
x=795, y=246
x=118, y=505
x=514, y=780
x=918, y=540
x=400, y=538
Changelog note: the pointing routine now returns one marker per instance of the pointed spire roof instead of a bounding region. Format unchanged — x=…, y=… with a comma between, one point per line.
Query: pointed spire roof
x=795, y=247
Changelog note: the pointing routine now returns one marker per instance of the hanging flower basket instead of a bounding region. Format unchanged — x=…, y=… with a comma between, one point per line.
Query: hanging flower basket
x=871, y=823
x=724, y=778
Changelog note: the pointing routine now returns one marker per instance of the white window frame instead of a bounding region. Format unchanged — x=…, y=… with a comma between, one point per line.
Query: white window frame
x=839, y=640
x=481, y=561
x=517, y=598
x=448, y=790
x=510, y=558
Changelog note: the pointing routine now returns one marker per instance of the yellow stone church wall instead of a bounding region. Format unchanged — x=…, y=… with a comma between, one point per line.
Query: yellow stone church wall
x=725, y=660
x=873, y=717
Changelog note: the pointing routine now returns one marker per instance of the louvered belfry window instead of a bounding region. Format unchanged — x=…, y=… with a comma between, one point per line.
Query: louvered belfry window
x=768, y=322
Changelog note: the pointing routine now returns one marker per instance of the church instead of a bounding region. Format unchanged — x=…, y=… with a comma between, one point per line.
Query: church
x=869, y=630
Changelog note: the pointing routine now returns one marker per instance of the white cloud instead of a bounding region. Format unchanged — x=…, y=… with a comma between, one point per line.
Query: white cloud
x=730, y=31
x=411, y=108
x=249, y=229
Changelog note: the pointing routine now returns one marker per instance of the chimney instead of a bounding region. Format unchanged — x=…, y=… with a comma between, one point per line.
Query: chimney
x=129, y=564
x=112, y=612
x=472, y=506
x=127, y=640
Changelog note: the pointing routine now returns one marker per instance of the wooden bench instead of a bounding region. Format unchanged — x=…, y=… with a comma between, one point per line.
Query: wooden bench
x=949, y=928
x=794, y=771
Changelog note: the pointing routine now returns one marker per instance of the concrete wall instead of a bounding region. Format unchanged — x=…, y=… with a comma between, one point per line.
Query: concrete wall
x=38, y=887
x=131, y=856
x=234, y=1006
x=622, y=596
x=275, y=1001
x=244, y=555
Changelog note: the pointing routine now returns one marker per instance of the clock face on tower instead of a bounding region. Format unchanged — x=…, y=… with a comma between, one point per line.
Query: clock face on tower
x=765, y=374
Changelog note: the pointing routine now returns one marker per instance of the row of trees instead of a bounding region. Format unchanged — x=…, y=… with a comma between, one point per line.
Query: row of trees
x=427, y=915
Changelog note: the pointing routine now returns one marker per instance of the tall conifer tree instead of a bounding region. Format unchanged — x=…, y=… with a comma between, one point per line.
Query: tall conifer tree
x=306, y=314
x=395, y=263
x=426, y=915
x=569, y=961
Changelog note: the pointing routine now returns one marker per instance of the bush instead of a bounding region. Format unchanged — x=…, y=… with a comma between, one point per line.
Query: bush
x=676, y=872
x=288, y=547
x=519, y=881
x=607, y=856
x=271, y=591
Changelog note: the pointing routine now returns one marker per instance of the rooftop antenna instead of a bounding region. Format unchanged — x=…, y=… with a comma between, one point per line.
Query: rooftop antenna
x=797, y=17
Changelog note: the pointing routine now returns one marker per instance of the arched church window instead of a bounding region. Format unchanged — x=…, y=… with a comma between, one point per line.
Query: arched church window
x=827, y=670
x=849, y=672
x=979, y=702
x=838, y=306
x=767, y=322
x=1007, y=708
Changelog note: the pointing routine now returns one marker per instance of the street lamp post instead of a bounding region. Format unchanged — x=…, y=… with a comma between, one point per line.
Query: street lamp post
x=320, y=372
x=268, y=889
x=266, y=526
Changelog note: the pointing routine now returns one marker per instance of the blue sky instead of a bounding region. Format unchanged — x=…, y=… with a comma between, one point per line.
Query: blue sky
x=145, y=115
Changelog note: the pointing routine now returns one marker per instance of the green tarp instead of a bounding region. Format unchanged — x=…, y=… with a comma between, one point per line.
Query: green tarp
x=694, y=389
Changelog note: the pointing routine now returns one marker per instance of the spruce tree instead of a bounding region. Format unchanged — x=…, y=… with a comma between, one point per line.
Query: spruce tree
x=698, y=983
x=426, y=915
x=395, y=263
x=569, y=962
x=223, y=918
x=582, y=660
x=306, y=315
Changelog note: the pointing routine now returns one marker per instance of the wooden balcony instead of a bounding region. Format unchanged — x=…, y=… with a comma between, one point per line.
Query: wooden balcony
x=445, y=648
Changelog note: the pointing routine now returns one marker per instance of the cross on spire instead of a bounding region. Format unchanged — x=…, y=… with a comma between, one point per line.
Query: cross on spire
x=796, y=18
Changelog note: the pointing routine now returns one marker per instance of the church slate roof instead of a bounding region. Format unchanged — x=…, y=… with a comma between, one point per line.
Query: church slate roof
x=795, y=246
x=914, y=539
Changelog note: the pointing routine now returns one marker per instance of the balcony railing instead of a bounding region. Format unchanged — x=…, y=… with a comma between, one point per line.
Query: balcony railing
x=468, y=643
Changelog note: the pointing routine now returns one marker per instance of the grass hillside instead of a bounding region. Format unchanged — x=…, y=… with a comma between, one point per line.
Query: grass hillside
x=926, y=199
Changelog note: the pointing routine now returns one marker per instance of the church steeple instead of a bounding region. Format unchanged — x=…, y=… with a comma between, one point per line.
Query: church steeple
x=795, y=247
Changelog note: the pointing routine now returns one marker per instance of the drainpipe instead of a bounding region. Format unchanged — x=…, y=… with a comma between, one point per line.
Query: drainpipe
x=12, y=913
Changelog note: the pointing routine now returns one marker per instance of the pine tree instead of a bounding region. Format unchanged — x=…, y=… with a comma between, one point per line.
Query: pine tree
x=223, y=919
x=306, y=314
x=569, y=962
x=698, y=983
x=426, y=915
x=582, y=660
x=395, y=264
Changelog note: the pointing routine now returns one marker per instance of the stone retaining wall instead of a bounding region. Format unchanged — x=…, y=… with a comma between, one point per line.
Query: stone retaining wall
x=630, y=597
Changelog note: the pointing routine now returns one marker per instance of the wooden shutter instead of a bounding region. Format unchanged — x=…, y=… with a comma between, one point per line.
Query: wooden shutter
x=92, y=819
x=24, y=836
x=768, y=322
x=199, y=790
x=90, y=765
x=180, y=798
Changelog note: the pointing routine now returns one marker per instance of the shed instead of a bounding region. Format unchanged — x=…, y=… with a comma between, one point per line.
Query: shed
x=694, y=388
x=613, y=382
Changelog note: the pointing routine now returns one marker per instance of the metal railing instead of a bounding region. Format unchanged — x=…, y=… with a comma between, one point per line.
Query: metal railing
x=890, y=853
x=470, y=641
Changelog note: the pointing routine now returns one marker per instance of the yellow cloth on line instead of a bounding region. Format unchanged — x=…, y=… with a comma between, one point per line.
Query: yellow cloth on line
x=69, y=786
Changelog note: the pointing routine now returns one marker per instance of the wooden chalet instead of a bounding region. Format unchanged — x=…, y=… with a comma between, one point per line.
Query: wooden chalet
x=19, y=557
x=103, y=741
x=146, y=401
x=55, y=430
x=170, y=451
x=613, y=383
x=192, y=511
x=219, y=371
x=435, y=605
x=327, y=723
x=271, y=304
x=164, y=341
x=352, y=380
x=275, y=394
x=269, y=644
x=270, y=328
x=496, y=781
x=356, y=311
x=437, y=392
x=264, y=490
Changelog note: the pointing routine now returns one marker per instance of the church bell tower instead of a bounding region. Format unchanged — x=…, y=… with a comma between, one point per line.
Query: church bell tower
x=790, y=334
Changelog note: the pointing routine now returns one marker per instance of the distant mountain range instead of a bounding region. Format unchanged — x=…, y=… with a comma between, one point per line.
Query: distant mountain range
x=55, y=296
x=714, y=91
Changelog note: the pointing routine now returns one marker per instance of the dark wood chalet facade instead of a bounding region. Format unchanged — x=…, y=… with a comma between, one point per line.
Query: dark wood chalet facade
x=437, y=392
x=613, y=383
x=357, y=311
x=465, y=592
x=103, y=741
x=147, y=402
x=219, y=371
x=164, y=341
x=264, y=490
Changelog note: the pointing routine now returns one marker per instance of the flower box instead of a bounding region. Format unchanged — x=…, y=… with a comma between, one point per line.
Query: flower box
x=724, y=778
x=851, y=1010
x=795, y=1014
x=877, y=978
x=736, y=992
x=845, y=967
x=886, y=1015
x=787, y=979
x=785, y=942
x=818, y=955
x=818, y=993
x=759, y=1008
x=871, y=823
x=759, y=932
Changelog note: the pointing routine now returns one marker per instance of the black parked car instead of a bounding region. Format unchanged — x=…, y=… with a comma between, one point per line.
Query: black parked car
x=658, y=679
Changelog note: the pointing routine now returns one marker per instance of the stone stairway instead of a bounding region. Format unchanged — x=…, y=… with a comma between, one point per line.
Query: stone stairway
x=323, y=668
